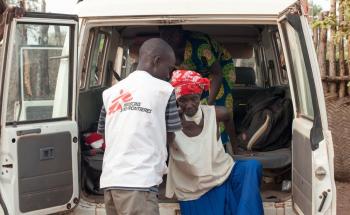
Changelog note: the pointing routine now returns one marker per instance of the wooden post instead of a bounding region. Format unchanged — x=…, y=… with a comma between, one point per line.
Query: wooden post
x=315, y=36
x=331, y=51
x=348, y=88
x=321, y=52
x=341, y=52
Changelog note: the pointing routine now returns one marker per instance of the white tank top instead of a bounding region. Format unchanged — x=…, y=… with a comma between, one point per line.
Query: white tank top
x=135, y=132
x=197, y=164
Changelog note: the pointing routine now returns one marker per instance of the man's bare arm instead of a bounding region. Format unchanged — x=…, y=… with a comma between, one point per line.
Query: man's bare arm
x=216, y=79
x=223, y=115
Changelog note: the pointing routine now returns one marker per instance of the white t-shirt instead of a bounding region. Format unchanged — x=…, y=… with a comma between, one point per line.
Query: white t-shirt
x=135, y=132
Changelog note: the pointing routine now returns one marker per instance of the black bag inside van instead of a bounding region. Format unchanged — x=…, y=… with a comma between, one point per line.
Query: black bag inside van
x=267, y=125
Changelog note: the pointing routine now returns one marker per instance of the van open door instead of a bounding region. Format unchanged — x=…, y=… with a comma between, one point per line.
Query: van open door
x=313, y=187
x=39, y=134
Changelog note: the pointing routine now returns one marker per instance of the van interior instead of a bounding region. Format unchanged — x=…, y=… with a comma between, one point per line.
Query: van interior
x=111, y=54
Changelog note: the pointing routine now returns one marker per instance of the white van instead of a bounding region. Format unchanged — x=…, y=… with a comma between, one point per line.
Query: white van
x=54, y=68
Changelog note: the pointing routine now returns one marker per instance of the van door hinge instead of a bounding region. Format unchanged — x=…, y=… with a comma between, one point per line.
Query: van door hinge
x=294, y=9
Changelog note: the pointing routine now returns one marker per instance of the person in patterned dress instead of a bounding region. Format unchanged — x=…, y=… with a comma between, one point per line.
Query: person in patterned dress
x=199, y=52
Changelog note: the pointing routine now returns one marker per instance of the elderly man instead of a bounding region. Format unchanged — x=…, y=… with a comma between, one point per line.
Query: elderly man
x=139, y=117
x=202, y=176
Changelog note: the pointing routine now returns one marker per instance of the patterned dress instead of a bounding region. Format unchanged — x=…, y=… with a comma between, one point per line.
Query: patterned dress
x=201, y=52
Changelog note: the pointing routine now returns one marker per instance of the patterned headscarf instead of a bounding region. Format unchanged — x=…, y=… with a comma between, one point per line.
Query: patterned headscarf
x=188, y=82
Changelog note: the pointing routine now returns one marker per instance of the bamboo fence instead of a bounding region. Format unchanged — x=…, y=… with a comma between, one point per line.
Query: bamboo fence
x=333, y=53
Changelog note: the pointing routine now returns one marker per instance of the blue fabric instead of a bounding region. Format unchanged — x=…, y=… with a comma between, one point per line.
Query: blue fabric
x=238, y=195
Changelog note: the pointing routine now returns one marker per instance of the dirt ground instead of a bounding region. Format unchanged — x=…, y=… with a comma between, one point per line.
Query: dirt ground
x=343, y=198
x=339, y=124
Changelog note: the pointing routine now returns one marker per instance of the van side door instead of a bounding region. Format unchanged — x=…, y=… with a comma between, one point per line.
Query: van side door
x=313, y=188
x=39, y=133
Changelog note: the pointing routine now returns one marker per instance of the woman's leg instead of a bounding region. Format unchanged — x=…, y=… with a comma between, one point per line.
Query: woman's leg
x=211, y=203
x=243, y=196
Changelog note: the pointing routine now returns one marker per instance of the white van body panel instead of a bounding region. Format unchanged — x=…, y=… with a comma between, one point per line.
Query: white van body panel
x=316, y=157
x=108, y=8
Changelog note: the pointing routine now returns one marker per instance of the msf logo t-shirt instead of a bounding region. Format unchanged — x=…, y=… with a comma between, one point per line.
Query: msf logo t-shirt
x=124, y=102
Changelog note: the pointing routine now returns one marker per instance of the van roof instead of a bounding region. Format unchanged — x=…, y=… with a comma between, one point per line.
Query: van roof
x=104, y=8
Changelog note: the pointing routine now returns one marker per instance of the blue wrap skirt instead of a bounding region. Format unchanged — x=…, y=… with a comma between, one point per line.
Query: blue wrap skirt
x=238, y=195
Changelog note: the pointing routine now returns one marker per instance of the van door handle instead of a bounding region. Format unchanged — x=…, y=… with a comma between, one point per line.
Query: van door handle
x=47, y=153
x=324, y=197
x=29, y=131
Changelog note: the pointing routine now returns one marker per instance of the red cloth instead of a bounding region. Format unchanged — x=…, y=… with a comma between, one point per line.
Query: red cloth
x=95, y=140
x=187, y=82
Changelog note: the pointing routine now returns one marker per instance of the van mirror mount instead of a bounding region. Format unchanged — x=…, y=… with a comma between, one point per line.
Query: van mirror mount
x=316, y=133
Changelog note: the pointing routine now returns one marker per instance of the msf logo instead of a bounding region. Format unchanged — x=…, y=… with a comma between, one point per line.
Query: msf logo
x=117, y=103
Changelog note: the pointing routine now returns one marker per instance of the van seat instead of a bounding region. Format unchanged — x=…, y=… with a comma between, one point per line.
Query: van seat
x=244, y=89
x=245, y=76
x=90, y=104
x=276, y=159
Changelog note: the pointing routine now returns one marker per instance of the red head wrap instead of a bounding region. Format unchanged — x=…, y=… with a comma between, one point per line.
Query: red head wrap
x=188, y=82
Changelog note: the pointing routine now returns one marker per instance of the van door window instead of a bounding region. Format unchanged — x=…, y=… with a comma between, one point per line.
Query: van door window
x=283, y=76
x=40, y=53
x=251, y=64
x=96, y=64
x=304, y=101
x=85, y=60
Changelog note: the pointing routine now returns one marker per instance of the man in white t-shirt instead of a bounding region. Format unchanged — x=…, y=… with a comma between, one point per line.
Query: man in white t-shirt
x=138, y=118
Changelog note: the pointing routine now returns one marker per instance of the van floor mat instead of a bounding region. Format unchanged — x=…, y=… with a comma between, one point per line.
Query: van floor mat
x=275, y=196
x=271, y=192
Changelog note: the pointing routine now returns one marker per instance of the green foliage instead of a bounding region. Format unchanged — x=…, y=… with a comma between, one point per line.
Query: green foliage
x=316, y=9
x=331, y=21
x=327, y=22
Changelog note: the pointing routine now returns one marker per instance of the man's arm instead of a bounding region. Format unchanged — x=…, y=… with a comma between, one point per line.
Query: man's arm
x=214, y=70
x=102, y=122
x=223, y=115
x=172, y=118
x=216, y=79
